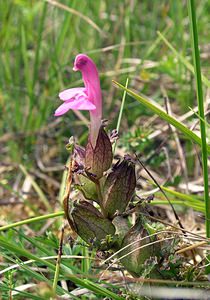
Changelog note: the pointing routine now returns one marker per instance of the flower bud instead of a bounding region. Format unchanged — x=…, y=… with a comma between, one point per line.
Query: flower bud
x=79, y=159
x=135, y=257
x=79, y=153
x=119, y=187
x=82, y=183
x=90, y=225
x=98, y=159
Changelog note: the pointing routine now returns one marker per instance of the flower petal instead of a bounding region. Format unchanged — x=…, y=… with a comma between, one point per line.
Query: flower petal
x=62, y=109
x=80, y=104
x=72, y=93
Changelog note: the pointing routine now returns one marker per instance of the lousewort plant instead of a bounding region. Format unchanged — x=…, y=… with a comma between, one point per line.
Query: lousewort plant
x=99, y=214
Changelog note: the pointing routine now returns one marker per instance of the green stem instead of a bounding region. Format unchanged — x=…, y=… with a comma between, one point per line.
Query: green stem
x=197, y=67
x=120, y=114
x=32, y=220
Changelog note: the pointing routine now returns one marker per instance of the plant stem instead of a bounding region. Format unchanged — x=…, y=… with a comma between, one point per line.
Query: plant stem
x=32, y=220
x=120, y=114
x=197, y=67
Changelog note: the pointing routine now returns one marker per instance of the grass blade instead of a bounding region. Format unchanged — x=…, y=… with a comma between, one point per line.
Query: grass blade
x=197, y=67
x=163, y=115
x=32, y=220
x=22, y=252
x=96, y=288
x=120, y=113
x=77, y=13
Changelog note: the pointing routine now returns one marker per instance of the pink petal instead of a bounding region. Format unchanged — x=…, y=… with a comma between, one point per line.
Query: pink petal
x=62, y=109
x=71, y=93
x=80, y=104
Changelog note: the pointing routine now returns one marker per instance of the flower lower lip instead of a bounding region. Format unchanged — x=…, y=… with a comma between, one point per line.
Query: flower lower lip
x=75, y=69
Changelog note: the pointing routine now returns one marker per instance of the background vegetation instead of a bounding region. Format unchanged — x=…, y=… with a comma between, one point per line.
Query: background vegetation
x=147, y=41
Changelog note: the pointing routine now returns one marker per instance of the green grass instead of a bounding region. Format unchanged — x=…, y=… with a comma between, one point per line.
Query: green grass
x=199, y=89
x=146, y=41
x=164, y=115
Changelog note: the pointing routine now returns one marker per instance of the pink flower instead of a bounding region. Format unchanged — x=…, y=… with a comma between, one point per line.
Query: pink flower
x=85, y=98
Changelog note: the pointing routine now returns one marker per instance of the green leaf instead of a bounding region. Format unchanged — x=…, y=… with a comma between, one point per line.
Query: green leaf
x=163, y=115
